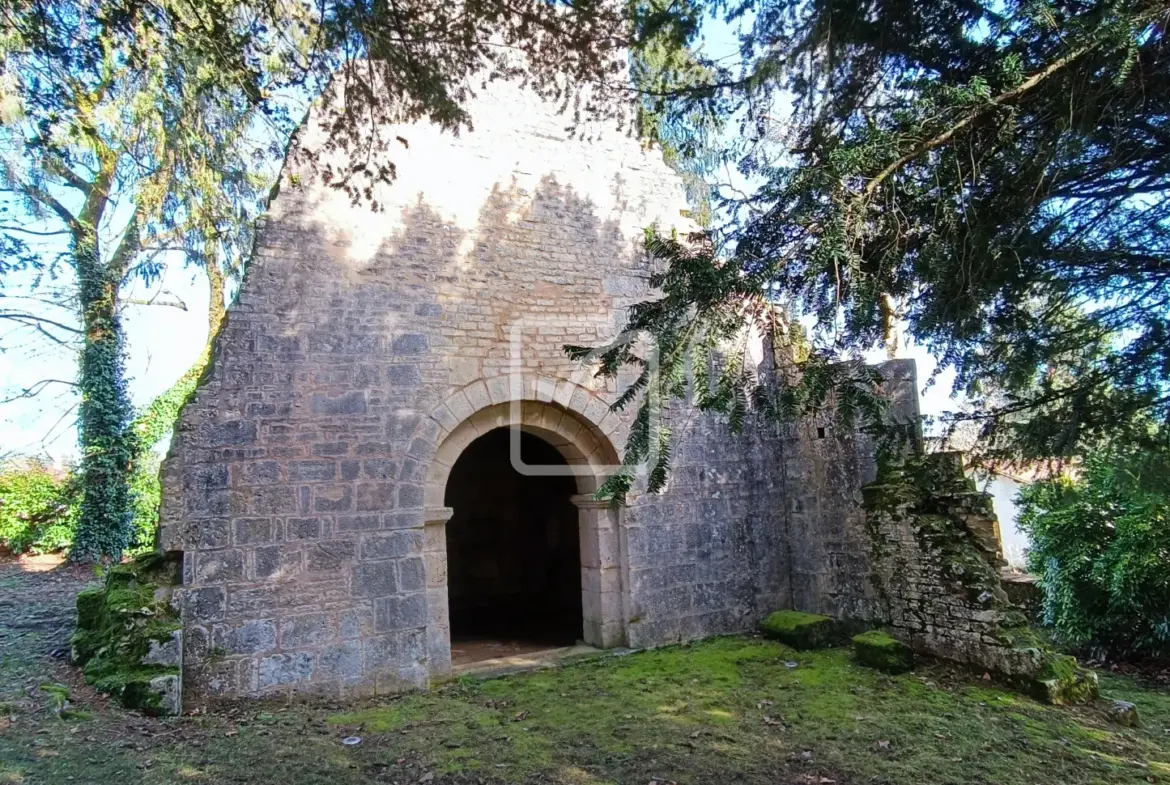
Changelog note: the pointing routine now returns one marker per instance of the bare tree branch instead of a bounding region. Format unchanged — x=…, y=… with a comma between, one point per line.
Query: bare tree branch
x=36, y=389
x=38, y=323
x=177, y=302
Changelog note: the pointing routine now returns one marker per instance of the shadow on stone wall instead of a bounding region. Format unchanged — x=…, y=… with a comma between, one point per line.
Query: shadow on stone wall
x=291, y=486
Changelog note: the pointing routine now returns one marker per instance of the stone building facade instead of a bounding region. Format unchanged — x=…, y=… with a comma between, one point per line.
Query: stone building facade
x=309, y=484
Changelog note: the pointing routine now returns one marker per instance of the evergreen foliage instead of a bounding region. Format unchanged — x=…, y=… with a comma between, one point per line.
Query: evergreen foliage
x=1101, y=549
x=992, y=174
x=661, y=68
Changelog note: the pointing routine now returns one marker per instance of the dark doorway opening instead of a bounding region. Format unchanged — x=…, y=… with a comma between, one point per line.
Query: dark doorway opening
x=513, y=552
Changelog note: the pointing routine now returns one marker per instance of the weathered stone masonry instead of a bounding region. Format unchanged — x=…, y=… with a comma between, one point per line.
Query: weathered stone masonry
x=936, y=557
x=306, y=483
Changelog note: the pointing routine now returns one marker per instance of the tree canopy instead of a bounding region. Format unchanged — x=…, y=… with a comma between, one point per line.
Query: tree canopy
x=992, y=174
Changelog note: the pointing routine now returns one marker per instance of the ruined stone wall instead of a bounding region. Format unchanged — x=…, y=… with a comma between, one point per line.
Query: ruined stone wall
x=936, y=557
x=825, y=467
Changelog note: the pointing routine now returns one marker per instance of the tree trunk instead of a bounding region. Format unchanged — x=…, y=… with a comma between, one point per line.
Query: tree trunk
x=103, y=531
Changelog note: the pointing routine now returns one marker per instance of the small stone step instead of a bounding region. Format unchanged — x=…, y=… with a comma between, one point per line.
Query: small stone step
x=800, y=630
x=881, y=651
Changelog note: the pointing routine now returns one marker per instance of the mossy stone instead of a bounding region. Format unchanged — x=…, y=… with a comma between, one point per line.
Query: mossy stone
x=800, y=630
x=883, y=652
x=1062, y=681
x=1123, y=713
x=89, y=608
x=888, y=497
x=121, y=628
x=143, y=690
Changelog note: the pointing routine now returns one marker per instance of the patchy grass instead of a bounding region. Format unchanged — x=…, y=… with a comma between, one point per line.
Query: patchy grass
x=723, y=711
x=703, y=713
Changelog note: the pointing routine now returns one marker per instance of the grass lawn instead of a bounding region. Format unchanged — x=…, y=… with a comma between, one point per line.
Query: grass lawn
x=730, y=710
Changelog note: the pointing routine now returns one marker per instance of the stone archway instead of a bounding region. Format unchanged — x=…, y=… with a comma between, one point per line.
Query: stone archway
x=513, y=549
x=589, y=454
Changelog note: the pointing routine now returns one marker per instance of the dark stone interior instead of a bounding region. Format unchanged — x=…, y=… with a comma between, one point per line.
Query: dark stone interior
x=513, y=553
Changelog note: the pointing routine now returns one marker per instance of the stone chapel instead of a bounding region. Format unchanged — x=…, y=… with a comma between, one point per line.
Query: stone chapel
x=342, y=490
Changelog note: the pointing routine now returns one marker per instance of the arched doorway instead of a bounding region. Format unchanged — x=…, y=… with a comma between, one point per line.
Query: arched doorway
x=513, y=551
x=589, y=454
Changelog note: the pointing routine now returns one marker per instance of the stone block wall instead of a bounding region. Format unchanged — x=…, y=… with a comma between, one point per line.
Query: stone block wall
x=710, y=555
x=306, y=481
x=823, y=469
x=936, y=568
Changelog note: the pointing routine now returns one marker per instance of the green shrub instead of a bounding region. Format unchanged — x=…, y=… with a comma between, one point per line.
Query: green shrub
x=38, y=508
x=1101, y=551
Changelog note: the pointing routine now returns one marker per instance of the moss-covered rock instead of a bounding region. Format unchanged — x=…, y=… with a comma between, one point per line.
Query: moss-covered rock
x=888, y=497
x=800, y=630
x=1024, y=593
x=879, y=650
x=128, y=636
x=1123, y=713
x=89, y=608
x=1062, y=681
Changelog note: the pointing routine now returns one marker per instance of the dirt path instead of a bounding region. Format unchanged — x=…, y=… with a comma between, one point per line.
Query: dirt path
x=45, y=704
x=36, y=620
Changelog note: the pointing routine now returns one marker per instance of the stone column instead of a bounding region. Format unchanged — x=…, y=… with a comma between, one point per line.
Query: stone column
x=602, y=589
x=438, y=610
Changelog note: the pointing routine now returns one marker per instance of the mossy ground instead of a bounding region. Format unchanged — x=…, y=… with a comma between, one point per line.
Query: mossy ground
x=722, y=711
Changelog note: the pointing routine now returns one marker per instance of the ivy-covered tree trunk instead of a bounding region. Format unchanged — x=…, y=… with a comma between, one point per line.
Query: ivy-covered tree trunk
x=103, y=531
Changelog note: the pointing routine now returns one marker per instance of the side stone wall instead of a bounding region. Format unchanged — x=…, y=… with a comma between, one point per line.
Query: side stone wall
x=711, y=555
x=824, y=469
x=766, y=519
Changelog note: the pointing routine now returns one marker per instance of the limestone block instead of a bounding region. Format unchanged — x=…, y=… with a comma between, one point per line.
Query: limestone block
x=168, y=652
x=169, y=689
x=1123, y=713
x=285, y=669
x=879, y=650
x=800, y=630
x=1061, y=681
